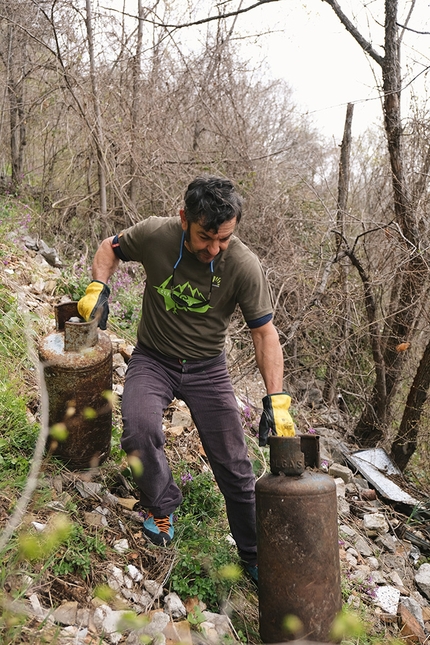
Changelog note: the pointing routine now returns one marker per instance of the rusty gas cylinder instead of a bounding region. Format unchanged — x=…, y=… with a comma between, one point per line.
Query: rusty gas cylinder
x=77, y=361
x=297, y=541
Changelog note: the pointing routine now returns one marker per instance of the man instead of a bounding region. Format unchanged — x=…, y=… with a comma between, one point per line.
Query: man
x=197, y=271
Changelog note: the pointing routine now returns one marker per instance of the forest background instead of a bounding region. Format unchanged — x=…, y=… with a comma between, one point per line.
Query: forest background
x=107, y=114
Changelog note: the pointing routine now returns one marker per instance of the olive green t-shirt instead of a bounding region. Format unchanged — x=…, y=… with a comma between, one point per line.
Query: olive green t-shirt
x=168, y=325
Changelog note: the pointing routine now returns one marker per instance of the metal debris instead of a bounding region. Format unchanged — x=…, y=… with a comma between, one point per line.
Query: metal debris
x=376, y=466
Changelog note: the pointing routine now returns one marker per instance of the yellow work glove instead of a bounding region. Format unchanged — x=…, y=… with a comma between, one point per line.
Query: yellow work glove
x=275, y=417
x=95, y=303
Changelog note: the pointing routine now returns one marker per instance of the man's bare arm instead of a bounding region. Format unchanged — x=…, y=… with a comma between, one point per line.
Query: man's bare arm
x=268, y=354
x=105, y=261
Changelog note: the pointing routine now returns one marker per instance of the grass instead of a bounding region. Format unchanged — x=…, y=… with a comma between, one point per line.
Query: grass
x=207, y=564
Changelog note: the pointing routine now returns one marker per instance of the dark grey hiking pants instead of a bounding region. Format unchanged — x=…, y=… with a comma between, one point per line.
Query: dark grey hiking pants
x=152, y=382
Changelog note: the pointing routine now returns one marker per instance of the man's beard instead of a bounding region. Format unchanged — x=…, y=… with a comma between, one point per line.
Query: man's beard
x=202, y=256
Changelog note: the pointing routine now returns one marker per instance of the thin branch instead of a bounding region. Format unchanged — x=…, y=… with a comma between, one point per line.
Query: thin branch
x=202, y=21
x=349, y=26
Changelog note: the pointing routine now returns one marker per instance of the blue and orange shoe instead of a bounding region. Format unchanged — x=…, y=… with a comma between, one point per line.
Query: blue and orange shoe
x=159, y=529
x=252, y=571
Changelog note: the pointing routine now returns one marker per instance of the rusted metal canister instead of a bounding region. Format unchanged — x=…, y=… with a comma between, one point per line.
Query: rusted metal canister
x=77, y=360
x=297, y=541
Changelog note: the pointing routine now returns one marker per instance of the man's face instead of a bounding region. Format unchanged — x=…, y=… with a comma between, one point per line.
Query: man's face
x=206, y=245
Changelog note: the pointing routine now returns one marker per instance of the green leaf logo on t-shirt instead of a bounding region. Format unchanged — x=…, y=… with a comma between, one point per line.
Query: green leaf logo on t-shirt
x=182, y=297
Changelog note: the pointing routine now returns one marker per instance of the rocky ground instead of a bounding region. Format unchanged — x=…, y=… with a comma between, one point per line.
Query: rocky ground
x=383, y=550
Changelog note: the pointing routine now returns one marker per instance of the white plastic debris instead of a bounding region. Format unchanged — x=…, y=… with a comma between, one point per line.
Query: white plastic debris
x=121, y=546
x=38, y=526
x=388, y=599
x=134, y=573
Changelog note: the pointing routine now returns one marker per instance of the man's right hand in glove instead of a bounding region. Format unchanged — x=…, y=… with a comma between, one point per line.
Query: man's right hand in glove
x=95, y=303
x=275, y=418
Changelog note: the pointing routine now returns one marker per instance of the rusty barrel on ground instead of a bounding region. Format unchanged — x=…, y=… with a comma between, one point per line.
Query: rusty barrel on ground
x=298, y=552
x=77, y=362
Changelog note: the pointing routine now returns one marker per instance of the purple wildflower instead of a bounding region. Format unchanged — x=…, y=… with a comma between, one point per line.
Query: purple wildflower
x=186, y=477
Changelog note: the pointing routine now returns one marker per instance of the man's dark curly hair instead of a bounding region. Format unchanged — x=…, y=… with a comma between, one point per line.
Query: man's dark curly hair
x=211, y=201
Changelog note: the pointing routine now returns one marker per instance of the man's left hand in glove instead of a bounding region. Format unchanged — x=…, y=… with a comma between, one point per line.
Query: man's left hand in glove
x=95, y=303
x=276, y=417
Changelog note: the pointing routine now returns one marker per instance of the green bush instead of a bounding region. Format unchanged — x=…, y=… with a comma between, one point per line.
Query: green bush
x=17, y=433
x=207, y=564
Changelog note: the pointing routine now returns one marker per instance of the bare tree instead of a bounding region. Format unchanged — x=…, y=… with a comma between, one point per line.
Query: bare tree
x=98, y=126
x=410, y=273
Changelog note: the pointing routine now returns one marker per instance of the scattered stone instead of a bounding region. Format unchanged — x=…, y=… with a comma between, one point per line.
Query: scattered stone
x=398, y=582
x=121, y=370
x=73, y=635
x=157, y=622
x=415, y=609
x=343, y=507
x=115, y=577
x=340, y=486
x=422, y=579
x=49, y=254
x=375, y=524
x=410, y=628
x=178, y=632
x=222, y=624
x=175, y=431
x=351, y=559
x=26, y=584
x=361, y=573
x=95, y=519
x=353, y=552
x=347, y=531
x=209, y=632
x=57, y=483
x=140, y=598
x=373, y=563
x=174, y=606
x=83, y=617
x=66, y=613
x=360, y=482
x=153, y=588
x=126, y=351
x=107, y=621
x=337, y=470
x=363, y=547
x=378, y=578
x=182, y=418
x=118, y=360
x=121, y=546
x=118, y=389
x=387, y=542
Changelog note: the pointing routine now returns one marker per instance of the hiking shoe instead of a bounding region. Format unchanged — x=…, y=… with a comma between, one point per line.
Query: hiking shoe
x=252, y=571
x=159, y=529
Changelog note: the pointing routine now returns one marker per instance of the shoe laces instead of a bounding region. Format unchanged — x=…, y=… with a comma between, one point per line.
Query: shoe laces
x=162, y=523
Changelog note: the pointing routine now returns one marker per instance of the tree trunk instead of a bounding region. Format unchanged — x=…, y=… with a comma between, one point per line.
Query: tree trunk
x=15, y=90
x=338, y=354
x=135, y=105
x=406, y=441
x=99, y=138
